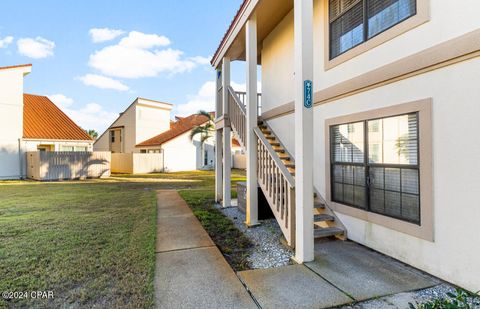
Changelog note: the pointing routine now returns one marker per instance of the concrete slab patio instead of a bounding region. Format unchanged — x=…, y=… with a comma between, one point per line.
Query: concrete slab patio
x=363, y=273
x=293, y=286
x=190, y=271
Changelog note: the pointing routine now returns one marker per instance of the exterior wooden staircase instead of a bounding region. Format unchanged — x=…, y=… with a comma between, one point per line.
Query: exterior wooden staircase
x=276, y=172
x=326, y=224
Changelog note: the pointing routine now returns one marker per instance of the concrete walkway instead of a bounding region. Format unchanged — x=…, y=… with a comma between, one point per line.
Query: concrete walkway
x=190, y=271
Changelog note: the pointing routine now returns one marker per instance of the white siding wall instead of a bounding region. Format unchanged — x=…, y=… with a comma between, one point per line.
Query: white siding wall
x=181, y=154
x=11, y=122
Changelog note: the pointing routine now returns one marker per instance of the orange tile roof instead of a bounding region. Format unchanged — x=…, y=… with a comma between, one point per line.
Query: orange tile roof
x=15, y=66
x=235, y=142
x=177, y=128
x=44, y=120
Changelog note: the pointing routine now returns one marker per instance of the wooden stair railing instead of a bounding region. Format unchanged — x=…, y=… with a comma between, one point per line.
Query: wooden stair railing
x=278, y=186
x=237, y=116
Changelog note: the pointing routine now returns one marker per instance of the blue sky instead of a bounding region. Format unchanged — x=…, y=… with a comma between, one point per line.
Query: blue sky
x=93, y=58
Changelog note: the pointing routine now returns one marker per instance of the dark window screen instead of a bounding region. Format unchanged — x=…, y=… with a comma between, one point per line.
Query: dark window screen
x=353, y=22
x=375, y=166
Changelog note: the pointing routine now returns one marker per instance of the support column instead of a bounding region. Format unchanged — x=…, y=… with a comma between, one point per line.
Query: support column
x=252, y=110
x=227, y=139
x=218, y=138
x=218, y=166
x=303, y=24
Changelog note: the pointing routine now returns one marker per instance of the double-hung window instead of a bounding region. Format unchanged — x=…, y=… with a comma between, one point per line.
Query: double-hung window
x=375, y=166
x=352, y=22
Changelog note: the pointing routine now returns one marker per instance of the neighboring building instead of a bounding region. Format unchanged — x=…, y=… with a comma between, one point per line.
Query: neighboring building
x=141, y=120
x=30, y=123
x=371, y=104
x=180, y=153
x=146, y=127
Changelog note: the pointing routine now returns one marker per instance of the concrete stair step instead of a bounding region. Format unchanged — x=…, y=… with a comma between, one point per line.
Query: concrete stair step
x=323, y=218
x=319, y=232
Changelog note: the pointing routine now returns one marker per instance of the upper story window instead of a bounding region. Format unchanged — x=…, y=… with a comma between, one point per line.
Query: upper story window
x=112, y=136
x=353, y=22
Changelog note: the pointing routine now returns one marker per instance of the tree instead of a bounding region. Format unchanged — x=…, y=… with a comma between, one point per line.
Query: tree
x=93, y=134
x=206, y=130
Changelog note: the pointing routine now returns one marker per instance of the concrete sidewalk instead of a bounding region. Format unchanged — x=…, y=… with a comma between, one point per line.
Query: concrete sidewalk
x=190, y=270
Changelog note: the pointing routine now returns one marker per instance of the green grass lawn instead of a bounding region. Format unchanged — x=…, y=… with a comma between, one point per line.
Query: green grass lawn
x=90, y=242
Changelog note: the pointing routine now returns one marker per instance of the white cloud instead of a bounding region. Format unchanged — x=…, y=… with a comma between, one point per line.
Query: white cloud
x=99, y=35
x=35, y=48
x=89, y=116
x=141, y=40
x=103, y=82
x=61, y=100
x=6, y=41
x=205, y=98
x=142, y=55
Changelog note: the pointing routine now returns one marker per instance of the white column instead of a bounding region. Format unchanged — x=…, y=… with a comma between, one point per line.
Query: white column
x=218, y=140
x=303, y=24
x=251, y=143
x=227, y=139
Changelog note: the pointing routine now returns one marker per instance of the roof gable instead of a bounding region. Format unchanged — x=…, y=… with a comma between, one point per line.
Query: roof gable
x=44, y=120
x=177, y=128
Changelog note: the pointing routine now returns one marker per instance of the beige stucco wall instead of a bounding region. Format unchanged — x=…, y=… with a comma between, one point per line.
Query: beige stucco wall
x=454, y=253
x=455, y=93
x=11, y=122
x=448, y=20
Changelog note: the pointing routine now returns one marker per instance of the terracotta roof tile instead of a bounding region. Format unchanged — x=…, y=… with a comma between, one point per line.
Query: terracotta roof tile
x=44, y=120
x=177, y=128
x=15, y=66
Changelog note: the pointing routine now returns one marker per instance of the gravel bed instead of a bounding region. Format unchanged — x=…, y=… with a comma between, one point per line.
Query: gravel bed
x=268, y=251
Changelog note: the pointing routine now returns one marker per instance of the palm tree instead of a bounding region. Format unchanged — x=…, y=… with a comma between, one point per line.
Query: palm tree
x=93, y=134
x=206, y=130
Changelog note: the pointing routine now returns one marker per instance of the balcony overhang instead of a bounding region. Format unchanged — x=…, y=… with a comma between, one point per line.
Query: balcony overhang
x=269, y=14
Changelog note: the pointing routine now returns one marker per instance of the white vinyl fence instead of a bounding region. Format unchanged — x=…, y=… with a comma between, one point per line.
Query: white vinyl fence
x=63, y=165
x=137, y=163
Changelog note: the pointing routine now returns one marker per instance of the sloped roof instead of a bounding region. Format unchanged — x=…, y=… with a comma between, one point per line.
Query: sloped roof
x=15, y=66
x=44, y=120
x=230, y=28
x=177, y=128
